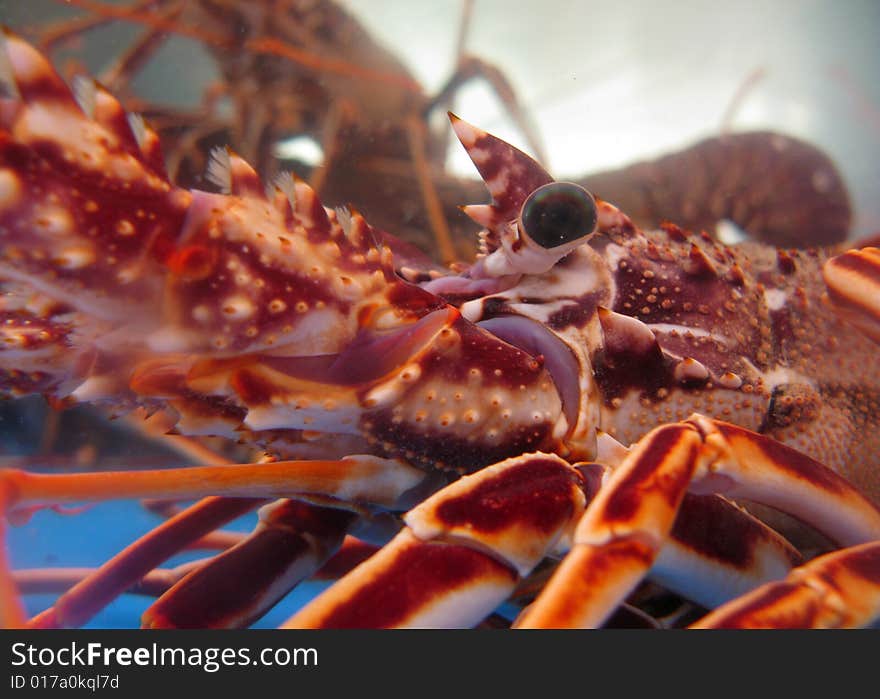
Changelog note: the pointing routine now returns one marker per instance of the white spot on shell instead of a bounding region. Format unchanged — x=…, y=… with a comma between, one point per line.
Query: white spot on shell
x=76, y=257
x=730, y=380
x=172, y=339
x=689, y=369
x=775, y=299
x=238, y=307
x=125, y=168
x=277, y=306
x=499, y=183
x=125, y=228
x=411, y=373
x=53, y=221
x=687, y=331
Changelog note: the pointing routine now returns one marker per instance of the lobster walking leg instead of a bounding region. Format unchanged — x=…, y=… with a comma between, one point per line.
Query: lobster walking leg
x=837, y=590
x=57, y=581
x=238, y=586
x=356, y=478
x=353, y=479
x=471, y=544
x=617, y=540
x=853, y=281
x=85, y=599
x=462, y=553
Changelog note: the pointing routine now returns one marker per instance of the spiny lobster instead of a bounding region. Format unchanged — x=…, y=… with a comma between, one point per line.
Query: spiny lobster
x=492, y=405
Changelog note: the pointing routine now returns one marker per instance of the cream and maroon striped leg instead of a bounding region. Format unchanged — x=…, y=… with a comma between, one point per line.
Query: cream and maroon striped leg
x=748, y=555
x=349, y=556
x=716, y=551
x=620, y=535
x=853, y=281
x=837, y=590
x=462, y=553
x=234, y=589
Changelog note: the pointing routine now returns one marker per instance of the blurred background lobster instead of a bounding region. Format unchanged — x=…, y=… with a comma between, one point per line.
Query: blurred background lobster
x=306, y=87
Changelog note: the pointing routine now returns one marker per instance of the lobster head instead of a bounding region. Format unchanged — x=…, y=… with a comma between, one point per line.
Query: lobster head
x=253, y=308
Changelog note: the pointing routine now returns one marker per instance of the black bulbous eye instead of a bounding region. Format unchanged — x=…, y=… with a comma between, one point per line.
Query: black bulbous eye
x=558, y=213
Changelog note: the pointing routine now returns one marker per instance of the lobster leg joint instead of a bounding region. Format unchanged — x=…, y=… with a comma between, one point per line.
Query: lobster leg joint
x=463, y=552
